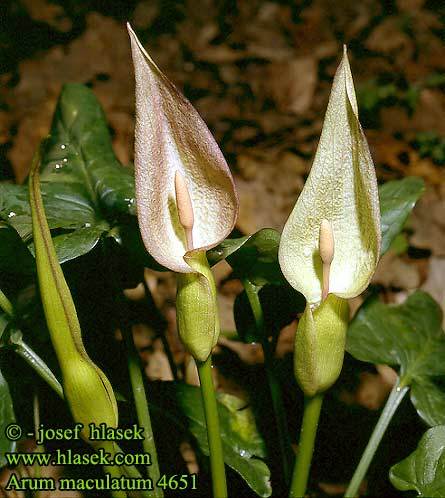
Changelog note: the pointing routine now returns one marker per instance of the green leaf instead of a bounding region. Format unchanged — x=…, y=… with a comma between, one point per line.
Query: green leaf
x=410, y=336
x=254, y=257
x=84, y=187
x=429, y=401
x=67, y=207
x=423, y=470
x=397, y=200
x=6, y=417
x=79, y=151
x=71, y=245
x=242, y=445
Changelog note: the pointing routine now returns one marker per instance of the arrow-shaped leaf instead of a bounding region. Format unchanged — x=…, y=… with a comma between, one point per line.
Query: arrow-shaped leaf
x=409, y=336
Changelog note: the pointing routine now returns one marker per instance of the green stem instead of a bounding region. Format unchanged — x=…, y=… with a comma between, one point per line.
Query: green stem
x=113, y=470
x=136, y=379
x=5, y=304
x=311, y=415
x=213, y=433
x=35, y=362
x=143, y=414
x=274, y=385
x=398, y=392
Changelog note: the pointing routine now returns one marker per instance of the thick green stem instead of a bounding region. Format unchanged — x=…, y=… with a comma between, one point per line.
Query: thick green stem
x=312, y=409
x=143, y=414
x=213, y=433
x=274, y=385
x=394, y=399
x=114, y=471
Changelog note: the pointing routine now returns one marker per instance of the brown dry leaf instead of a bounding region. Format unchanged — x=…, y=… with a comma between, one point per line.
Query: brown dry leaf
x=291, y=84
x=435, y=283
x=251, y=354
x=189, y=456
x=395, y=271
x=372, y=391
x=158, y=367
x=428, y=223
x=388, y=38
x=286, y=340
x=135, y=294
x=191, y=375
x=50, y=13
x=267, y=189
x=32, y=101
x=144, y=14
x=398, y=157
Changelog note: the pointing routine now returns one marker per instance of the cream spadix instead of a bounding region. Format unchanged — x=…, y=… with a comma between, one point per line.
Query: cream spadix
x=173, y=147
x=341, y=188
x=326, y=249
x=185, y=209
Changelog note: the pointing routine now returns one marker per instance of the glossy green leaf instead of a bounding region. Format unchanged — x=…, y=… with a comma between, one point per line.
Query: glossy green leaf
x=409, y=336
x=242, y=445
x=6, y=417
x=225, y=249
x=71, y=245
x=84, y=187
x=79, y=152
x=254, y=257
x=397, y=200
x=67, y=207
x=424, y=470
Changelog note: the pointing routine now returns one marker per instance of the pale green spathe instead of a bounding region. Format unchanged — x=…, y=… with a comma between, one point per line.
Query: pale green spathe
x=320, y=345
x=341, y=188
x=196, y=307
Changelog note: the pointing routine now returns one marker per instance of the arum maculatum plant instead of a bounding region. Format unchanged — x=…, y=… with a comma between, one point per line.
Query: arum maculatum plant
x=186, y=204
x=329, y=250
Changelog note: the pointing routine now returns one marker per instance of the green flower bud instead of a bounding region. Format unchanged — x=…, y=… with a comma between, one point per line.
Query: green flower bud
x=89, y=394
x=320, y=345
x=86, y=388
x=196, y=306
